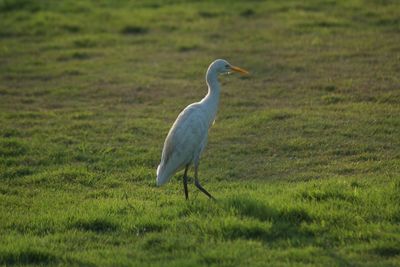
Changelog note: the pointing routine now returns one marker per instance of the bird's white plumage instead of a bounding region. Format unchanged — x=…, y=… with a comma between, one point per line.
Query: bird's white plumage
x=184, y=143
x=187, y=137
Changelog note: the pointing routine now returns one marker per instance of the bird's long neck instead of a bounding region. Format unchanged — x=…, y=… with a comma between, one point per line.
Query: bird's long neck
x=211, y=100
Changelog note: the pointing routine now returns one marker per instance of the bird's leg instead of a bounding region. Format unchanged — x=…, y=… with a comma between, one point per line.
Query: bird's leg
x=185, y=180
x=198, y=185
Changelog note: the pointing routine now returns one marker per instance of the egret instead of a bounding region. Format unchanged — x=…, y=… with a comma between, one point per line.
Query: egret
x=188, y=135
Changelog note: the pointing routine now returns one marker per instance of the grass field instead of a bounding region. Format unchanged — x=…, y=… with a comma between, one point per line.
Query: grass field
x=304, y=157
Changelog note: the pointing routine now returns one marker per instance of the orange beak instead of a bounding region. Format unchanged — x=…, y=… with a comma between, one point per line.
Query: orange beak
x=240, y=70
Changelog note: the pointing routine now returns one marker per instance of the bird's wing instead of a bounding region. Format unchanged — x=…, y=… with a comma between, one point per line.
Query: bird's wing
x=184, y=139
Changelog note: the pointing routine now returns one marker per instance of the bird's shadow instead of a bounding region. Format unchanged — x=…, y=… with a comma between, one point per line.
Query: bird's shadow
x=271, y=224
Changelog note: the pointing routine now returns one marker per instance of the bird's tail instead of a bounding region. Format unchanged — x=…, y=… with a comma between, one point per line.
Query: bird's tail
x=162, y=176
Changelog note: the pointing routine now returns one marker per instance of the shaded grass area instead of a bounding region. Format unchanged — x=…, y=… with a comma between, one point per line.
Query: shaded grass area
x=304, y=156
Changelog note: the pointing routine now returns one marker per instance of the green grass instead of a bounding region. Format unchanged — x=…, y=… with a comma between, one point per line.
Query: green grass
x=304, y=157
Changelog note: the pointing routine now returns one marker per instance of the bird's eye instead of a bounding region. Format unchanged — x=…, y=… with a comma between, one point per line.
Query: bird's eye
x=227, y=66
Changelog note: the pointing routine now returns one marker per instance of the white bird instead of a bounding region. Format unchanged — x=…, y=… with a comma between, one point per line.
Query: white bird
x=187, y=137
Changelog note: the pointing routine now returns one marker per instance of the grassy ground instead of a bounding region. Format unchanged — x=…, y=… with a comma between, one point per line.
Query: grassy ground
x=304, y=156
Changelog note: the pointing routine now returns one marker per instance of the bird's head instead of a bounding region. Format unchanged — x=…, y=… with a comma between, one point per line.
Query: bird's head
x=221, y=66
